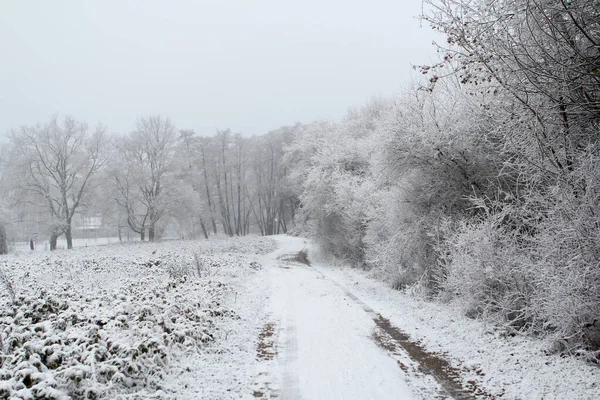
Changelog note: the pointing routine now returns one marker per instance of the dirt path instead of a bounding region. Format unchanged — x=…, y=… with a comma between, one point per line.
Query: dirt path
x=328, y=344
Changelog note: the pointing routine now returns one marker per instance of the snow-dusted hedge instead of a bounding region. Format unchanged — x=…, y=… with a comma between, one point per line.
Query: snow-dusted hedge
x=99, y=322
x=457, y=201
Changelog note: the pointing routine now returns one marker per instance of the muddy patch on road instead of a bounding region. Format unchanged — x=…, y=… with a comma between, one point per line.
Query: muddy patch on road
x=266, y=349
x=300, y=257
x=396, y=342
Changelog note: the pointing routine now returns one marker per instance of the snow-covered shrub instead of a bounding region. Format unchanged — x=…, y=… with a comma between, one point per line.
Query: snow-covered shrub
x=567, y=247
x=330, y=165
x=341, y=225
x=427, y=163
x=547, y=124
x=182, y=267
x=485, y=269
x=400, y=247
x=104, y=343
x=7, y=284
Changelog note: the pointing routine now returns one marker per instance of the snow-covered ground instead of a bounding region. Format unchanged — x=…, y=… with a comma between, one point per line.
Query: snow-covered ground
x=241, y=318
x=323, y=342
x=506, y=367
x=124, y=321
x=41, y=245
x=328, y=320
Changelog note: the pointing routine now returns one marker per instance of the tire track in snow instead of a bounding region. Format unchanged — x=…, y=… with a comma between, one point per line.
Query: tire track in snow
x=290, y=384
x=290, y=388
x=397, y=342
x=281, y=345
x=327, y=353
x=266, y=352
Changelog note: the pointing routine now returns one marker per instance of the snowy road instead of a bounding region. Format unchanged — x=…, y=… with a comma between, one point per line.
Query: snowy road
x=326, y=342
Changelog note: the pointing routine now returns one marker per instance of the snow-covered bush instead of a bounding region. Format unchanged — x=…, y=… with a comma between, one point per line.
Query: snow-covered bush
x=546, y=126
x=428, y=161
x=7, y=284
x=399, y=247
x=485, y=269
x=534, y=264
x=55, y=342
x=567, y=247
x=330, y=165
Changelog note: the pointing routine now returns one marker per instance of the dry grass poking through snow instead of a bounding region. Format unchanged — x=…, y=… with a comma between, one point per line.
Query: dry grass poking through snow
x=104, y=322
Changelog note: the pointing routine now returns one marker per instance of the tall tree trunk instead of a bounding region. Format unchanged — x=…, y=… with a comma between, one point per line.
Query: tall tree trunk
x=258, y=219
x=69, y=236
x=239, y=201
x=3, y=241
x=203, y=226
x=293, y=208
x=142, y=234
x=247, y=222
x=282, y=217
x=210, y=205
x=221, y=203
x=53, y=239
x=151, y=233
x=227, y=208
x=213, y=222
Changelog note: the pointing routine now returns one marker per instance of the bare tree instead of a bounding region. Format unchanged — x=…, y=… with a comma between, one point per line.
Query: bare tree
x=147, y=164
x=190, y=208
x=545, y=54
x=275, y=204
x=202, y=144
x=53, y=165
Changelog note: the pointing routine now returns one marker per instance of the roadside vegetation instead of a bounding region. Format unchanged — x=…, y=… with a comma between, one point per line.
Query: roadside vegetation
x=479, y=185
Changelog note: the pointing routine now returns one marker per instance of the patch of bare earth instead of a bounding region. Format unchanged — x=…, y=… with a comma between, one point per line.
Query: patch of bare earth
x=300, y=257
x=397, y=342
x=266, y=350
x=266, y=344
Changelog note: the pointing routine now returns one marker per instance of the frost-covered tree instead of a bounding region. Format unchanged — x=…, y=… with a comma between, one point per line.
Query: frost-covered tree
x=330, y=167
x=543, y=53
x=434, y=151
x=192, y=211
x=145, y=172
x=536, y=63
x=52, y=166
x=273, y=202
x=3, y=238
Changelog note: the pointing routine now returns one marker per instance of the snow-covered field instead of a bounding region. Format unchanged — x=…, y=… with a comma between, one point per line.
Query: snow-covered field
x=164, y=320
x=42, y=245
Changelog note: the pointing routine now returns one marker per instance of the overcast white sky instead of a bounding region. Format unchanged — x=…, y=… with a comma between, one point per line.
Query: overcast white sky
x=249, y=65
